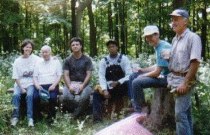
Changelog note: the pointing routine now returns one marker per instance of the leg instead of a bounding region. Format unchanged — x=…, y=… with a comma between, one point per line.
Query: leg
x=83, y=101
x=183, y=115
x=36, y=105
x=131, y=78
x=68, y=100
x=29, y=101
x=139, y=84
x=97, y=106
x=16, y=102
x=53, y=103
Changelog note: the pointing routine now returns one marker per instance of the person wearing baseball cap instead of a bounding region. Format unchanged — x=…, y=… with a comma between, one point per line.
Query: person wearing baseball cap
x=154, y=76
x=183, y=64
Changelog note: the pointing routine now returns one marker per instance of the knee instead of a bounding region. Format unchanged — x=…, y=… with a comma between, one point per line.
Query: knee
x=136, y=82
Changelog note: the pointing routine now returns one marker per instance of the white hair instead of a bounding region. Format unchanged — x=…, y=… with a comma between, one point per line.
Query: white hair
x=46, y=47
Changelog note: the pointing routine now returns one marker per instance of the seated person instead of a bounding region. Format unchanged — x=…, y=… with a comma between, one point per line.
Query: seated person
x=114, y=71
x=77, y=73
x=47, y=75
x=154, y=76
x=23, y=70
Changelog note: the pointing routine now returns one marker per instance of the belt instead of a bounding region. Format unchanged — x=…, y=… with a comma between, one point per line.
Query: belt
x=179, y=74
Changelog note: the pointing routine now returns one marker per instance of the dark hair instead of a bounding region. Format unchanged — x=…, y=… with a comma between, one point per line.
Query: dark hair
x=76, y=39
x=112, y=41
x=26, y=42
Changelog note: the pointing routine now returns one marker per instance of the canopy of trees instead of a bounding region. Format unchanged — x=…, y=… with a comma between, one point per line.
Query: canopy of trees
x=95, y=21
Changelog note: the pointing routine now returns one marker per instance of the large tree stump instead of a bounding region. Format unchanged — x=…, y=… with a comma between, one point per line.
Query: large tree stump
x=162, y=111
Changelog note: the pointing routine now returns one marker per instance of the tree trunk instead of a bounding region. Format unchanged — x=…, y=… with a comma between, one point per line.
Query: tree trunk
x=204, y=30
x=162, y=111
x=79, y=13
x=93, y=45
x=116, y=30
x=73, y=18
x=110, y=22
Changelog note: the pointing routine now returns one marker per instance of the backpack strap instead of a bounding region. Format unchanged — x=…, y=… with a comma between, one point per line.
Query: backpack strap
x=107, y=62
x=120, y=58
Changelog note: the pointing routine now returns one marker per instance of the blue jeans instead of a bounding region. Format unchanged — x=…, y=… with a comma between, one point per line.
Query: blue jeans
x=131, y=78
x=183, y=115
x=52, y=101
x=29, y=101
x=141, y=82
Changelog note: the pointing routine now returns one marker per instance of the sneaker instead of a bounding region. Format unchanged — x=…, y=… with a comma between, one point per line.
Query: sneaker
x=14, y=121
x=31, y=122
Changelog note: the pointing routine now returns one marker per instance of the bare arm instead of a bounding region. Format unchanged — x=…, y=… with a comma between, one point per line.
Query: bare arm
x=36, y=83
x=155, y=73
x=147, y=69
x=67, y=78
x=87, y=79
x=189, y=78
x=52, y=87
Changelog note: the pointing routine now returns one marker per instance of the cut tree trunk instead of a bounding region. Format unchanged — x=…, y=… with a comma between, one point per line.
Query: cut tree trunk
x=162, y=111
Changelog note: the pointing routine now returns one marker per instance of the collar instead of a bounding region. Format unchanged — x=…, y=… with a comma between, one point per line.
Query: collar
x=183, y=34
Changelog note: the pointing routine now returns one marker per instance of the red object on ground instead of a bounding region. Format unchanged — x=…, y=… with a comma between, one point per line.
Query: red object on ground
x=127, y=126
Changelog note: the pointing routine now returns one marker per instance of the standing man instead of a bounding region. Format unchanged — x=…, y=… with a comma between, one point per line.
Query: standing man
x=47, y=75
x=154, y=76
x=184, y=62
x=77, y=73
x=114, y=71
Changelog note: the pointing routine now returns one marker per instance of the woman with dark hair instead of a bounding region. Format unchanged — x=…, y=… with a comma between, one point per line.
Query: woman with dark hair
x=23, y=69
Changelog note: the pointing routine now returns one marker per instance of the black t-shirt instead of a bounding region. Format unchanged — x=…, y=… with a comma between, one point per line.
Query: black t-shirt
x=77, y=67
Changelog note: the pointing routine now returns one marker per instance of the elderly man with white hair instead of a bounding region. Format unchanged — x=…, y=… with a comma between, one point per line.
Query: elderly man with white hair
x=47, y=75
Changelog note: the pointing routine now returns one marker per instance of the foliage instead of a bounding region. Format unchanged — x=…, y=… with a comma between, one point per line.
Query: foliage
x=65, y=124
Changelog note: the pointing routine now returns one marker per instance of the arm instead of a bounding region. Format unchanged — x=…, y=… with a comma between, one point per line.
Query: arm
x=87, y=79
x=148, y=69
x=36, y=83
x=155, y=73
x=189, y=78
x=18, y=84
x=58, y=78
x=67, y=79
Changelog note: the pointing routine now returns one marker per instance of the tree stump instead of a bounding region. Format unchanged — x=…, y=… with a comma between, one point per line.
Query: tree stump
x=162, y=111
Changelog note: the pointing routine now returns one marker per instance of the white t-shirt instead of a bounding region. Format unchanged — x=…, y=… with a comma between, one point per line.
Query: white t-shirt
x=23, y=69
x=48, y=71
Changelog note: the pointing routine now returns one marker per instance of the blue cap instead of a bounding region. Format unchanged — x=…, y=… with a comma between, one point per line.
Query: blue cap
x=180, y=12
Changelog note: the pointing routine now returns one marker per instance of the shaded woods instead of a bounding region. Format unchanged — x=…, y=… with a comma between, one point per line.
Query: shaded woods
x=95, y=21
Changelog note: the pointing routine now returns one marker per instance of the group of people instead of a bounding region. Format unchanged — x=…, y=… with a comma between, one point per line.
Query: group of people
x=176, y=67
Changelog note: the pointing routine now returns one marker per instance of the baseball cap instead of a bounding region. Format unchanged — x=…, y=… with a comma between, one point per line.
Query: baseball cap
x=150, y=29
x=180, y=12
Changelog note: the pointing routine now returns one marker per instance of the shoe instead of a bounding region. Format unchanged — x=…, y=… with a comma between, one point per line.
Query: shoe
x=31, y=122
x=141, y=119
x=14, y=121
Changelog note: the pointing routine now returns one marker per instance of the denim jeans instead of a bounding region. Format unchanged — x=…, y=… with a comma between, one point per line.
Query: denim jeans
x=141, y=82
x=77, y=103
x=29, y=101
x=131, y=78
x=183, y=115
x=52, y=101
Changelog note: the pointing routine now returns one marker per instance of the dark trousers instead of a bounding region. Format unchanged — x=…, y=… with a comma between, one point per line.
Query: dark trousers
x=51, y=105
x=117, y=95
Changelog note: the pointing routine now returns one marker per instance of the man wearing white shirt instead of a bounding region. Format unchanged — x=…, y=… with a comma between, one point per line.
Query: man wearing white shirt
x=114, y=71
x=47, y=75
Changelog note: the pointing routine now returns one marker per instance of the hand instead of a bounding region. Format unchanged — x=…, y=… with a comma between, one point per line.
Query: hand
x=81, y=87
x=51, y=88
x=38, y=87
x=182, y=89
x=23, y=90
x=106, y=94
x=114, y=84
x=71, y=89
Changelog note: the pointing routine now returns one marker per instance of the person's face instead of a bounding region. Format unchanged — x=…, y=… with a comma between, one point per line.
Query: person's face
x=179, y=24
x=113, y=49
x=46, y=54
x=27, y=50
x=152, y=39
x=76, y=46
